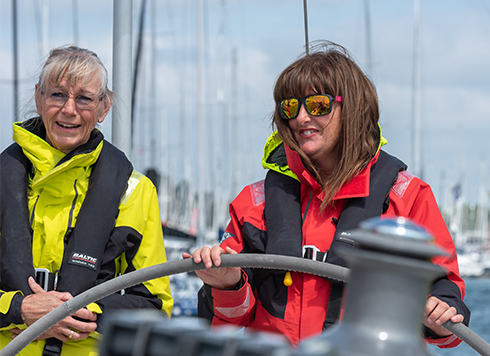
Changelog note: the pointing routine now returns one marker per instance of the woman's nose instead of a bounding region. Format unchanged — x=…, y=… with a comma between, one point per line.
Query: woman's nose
x=303, y=115
x=70, y=106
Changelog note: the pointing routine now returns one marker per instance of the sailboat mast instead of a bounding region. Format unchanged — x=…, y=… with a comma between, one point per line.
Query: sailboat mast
x=305, y=13
x=369, y=60
x=137, y=64
x=45, y=27
x=15, y=58
x=481, y=224
x=75, y=22
x=121, y=67
x=200, y=117
x=235, y=171
x=416, y=152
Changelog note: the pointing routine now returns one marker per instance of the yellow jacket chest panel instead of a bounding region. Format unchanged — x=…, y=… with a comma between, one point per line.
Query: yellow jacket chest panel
x=55, y=195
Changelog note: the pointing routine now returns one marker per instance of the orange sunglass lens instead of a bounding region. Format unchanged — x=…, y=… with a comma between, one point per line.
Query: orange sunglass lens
x=289, y=108
x=318, y=105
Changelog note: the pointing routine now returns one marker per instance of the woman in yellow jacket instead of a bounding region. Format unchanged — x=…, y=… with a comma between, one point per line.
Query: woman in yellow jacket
x=73, y=212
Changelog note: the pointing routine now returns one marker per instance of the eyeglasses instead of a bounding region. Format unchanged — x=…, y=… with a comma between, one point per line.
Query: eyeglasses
x=316, y=105
x=57, y=97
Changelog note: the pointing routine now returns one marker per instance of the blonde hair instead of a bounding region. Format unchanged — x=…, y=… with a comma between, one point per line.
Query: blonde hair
x=77, y=65
x=330, y=69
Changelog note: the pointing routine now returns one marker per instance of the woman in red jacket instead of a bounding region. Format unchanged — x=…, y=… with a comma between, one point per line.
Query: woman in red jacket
x=324, y=159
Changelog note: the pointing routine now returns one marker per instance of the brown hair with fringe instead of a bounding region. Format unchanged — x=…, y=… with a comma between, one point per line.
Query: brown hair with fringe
x=330, y=69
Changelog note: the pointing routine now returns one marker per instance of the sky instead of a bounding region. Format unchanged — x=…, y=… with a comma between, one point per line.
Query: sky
x=245, y=46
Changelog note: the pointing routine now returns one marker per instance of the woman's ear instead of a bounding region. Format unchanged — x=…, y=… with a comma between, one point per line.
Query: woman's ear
x=107, y=103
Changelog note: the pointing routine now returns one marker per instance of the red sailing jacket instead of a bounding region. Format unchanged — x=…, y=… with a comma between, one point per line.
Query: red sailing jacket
x=300, y=312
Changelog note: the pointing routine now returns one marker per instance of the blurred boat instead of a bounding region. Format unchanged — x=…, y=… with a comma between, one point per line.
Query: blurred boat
x=184, y=286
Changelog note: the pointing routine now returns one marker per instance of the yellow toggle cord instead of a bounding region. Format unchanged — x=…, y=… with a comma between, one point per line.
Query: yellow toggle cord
x=287, y=279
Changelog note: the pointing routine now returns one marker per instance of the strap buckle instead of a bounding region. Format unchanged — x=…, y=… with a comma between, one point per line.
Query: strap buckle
x=311, y=252
x=46, y=279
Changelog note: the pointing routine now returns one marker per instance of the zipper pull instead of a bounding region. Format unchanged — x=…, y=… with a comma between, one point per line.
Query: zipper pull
x=68, y=234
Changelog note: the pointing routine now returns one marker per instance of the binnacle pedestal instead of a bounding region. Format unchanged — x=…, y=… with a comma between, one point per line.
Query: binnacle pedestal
x=385, y=298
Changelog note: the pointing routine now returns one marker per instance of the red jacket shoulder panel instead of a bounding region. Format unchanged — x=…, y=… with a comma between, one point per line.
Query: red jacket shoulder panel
x=412, y=198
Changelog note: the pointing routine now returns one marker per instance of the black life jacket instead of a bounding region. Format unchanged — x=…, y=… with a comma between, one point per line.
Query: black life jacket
x=284, y=223
x=94, y=225
x=95, y=221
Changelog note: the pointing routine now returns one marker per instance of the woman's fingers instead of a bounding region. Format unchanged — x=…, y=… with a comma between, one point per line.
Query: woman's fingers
x=222, y=278
x=85, y=315
x=35, y=288
x=38, y=304
x=15, y=332
x=70, y=328
x=209, y=256
x=77, y=335
x=216, y=253
x=458, y=318
x=437, y=313
x=203, y=255
x=230, y=251
x=79, y=325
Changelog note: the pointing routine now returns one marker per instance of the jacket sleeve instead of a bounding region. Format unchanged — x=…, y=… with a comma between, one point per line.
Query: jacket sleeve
x=10, y=303
x=242, y=235
x=414, y=199
x=137, y=242
x=227, y=306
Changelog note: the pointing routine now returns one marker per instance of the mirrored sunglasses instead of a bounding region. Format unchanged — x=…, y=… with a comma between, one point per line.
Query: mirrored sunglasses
x=316, y=105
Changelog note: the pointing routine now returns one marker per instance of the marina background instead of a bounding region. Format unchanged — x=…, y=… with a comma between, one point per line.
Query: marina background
x=428, y=59
x=246, y=44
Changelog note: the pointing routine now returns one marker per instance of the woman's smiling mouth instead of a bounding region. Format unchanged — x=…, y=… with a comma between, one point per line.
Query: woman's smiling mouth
x=308, y=132
x=66, y=126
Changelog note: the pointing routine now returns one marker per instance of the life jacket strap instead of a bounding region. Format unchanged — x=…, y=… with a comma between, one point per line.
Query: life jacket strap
x=334, y=305
x=46, y=279
x=53, y=347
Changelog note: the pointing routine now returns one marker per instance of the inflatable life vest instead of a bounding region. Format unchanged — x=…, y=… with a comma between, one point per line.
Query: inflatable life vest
x=88, y=238
x=284, y=225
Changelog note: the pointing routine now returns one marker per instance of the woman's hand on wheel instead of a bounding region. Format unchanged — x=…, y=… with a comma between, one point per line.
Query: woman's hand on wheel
x=437, y=313
x=40, y=303
x=221, y=278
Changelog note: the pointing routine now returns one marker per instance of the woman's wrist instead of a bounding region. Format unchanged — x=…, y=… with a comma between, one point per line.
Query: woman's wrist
x=235, y=286
x=238, y=285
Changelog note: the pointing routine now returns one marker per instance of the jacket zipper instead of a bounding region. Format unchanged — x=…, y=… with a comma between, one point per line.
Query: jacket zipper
x=32, y=215
x=308, y=205
x=69, y=229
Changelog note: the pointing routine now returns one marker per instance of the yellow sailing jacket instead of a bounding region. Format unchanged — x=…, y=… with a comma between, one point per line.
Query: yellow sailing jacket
x=55, y=196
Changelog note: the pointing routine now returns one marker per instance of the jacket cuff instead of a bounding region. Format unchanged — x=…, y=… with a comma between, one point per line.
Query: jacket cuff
x=445, y=342
x=233, y=303
x=10, y=307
